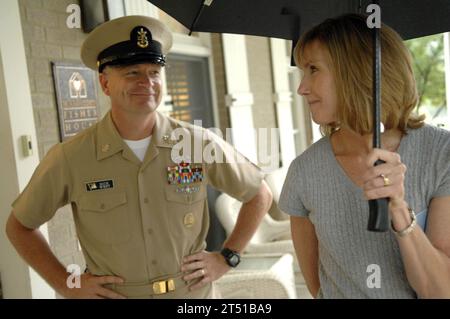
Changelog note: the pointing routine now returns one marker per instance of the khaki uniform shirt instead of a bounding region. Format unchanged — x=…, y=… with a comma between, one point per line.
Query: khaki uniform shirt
x=134, y=219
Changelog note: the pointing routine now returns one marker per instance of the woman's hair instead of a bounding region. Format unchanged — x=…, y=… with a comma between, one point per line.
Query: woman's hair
x=349, y=43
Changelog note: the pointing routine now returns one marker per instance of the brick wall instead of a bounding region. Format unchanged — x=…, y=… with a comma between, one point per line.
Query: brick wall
x=47, y=38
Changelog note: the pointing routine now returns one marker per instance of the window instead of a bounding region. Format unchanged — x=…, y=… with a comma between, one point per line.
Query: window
x=429, y=69
x=189, y=86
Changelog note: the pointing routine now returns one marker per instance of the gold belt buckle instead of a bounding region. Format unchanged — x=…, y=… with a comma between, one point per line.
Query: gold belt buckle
x=163, y=286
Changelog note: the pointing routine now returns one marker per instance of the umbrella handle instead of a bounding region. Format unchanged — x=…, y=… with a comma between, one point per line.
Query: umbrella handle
x=378, y=213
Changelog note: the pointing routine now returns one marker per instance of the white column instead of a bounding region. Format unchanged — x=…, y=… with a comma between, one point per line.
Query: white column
x=166, y=105
x=239, y=98
x=447, y=74
x=16, y=120
x=283, y=99
x=140, y=7
x=116, y=9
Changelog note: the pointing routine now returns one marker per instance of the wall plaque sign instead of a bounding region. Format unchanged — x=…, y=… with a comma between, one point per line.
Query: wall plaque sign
x=76, y=95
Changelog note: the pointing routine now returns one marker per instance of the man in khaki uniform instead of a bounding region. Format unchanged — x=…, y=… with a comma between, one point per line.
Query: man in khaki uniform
x=141, y=214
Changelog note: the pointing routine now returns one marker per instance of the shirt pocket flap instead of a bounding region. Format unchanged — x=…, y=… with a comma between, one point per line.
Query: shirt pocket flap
x=102, y=203
x=198, y=193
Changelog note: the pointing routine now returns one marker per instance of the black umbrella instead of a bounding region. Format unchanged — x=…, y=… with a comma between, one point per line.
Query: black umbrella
x=288, y=19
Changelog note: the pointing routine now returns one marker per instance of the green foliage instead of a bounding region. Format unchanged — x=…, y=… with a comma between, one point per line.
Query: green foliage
x=429, y=69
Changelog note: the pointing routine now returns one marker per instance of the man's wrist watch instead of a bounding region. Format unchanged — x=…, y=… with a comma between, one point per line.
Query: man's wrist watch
x=231, y=257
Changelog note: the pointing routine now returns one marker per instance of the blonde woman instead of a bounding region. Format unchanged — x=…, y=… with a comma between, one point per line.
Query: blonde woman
x=328, y=186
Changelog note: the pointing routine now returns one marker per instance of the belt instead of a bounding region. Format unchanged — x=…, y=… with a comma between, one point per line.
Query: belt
x=159, y=286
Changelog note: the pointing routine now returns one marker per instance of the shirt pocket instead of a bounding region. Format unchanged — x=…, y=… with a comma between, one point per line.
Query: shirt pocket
x=184, y=211
x=104, y=217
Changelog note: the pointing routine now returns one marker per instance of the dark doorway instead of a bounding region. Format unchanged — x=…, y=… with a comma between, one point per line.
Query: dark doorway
x=188, y=84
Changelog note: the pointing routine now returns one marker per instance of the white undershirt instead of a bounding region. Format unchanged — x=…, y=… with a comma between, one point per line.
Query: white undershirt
x=139, y=147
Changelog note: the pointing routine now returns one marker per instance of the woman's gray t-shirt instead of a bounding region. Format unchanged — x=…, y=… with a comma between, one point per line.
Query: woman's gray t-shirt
x=350, y=256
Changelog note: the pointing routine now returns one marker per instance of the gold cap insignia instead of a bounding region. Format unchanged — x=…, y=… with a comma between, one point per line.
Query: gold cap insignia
x=142, y=40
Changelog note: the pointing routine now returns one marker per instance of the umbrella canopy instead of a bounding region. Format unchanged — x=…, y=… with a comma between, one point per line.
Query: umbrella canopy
x=288, y=19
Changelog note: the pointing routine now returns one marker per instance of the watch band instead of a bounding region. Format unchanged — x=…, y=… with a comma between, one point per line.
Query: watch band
x=410, y=228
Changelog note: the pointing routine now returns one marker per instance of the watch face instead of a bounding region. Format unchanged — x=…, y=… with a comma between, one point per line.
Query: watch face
x=234, y=260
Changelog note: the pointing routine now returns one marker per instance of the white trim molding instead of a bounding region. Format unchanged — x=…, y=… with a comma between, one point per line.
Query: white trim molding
x=140, y=7
x=16, y=120
x=238, y=94
x=283, y=99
